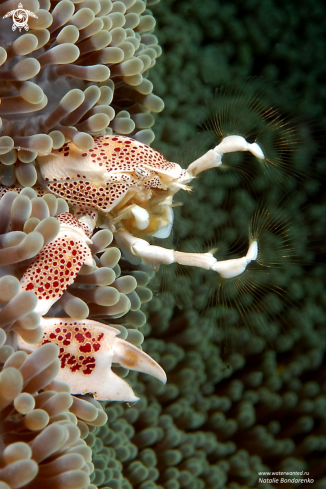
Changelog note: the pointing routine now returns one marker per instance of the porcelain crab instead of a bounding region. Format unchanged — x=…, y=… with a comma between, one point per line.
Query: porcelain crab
x=128, y=188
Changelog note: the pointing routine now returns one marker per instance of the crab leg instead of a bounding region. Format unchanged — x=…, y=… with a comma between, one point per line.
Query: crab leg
x=213, y=157
x=58, y=263
x=87, y=350
x=136, y=249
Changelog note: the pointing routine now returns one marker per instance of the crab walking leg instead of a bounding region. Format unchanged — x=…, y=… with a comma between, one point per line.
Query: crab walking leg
x=156, y=255
x=213, y=157
x=87, y=350
x=58, y=263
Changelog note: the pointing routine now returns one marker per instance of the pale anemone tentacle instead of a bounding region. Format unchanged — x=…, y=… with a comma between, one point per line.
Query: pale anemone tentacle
x=61, y=80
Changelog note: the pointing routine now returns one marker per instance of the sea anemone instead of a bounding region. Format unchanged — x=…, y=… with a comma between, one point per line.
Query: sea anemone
x=80, y=70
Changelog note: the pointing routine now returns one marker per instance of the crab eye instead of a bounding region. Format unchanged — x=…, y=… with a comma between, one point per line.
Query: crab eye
x=142, y=172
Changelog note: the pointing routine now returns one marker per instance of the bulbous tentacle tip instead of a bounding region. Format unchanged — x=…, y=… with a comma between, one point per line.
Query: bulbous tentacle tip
x=131, y=357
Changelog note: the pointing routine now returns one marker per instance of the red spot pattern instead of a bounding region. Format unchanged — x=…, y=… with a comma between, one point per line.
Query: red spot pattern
x=69, y=339
x=57, y=265
x=70, y=220
x=111, y=153
x=89, y=194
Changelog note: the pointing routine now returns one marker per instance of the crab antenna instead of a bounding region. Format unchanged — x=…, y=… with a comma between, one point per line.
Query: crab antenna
x=213, y=157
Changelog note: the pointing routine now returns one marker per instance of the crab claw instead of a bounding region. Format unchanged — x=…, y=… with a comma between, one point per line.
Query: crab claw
x=58, y=263
x=87, y=350
x=131, y=357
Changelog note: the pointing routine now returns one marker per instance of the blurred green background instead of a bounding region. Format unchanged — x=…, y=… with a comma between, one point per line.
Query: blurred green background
x=245, y=392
